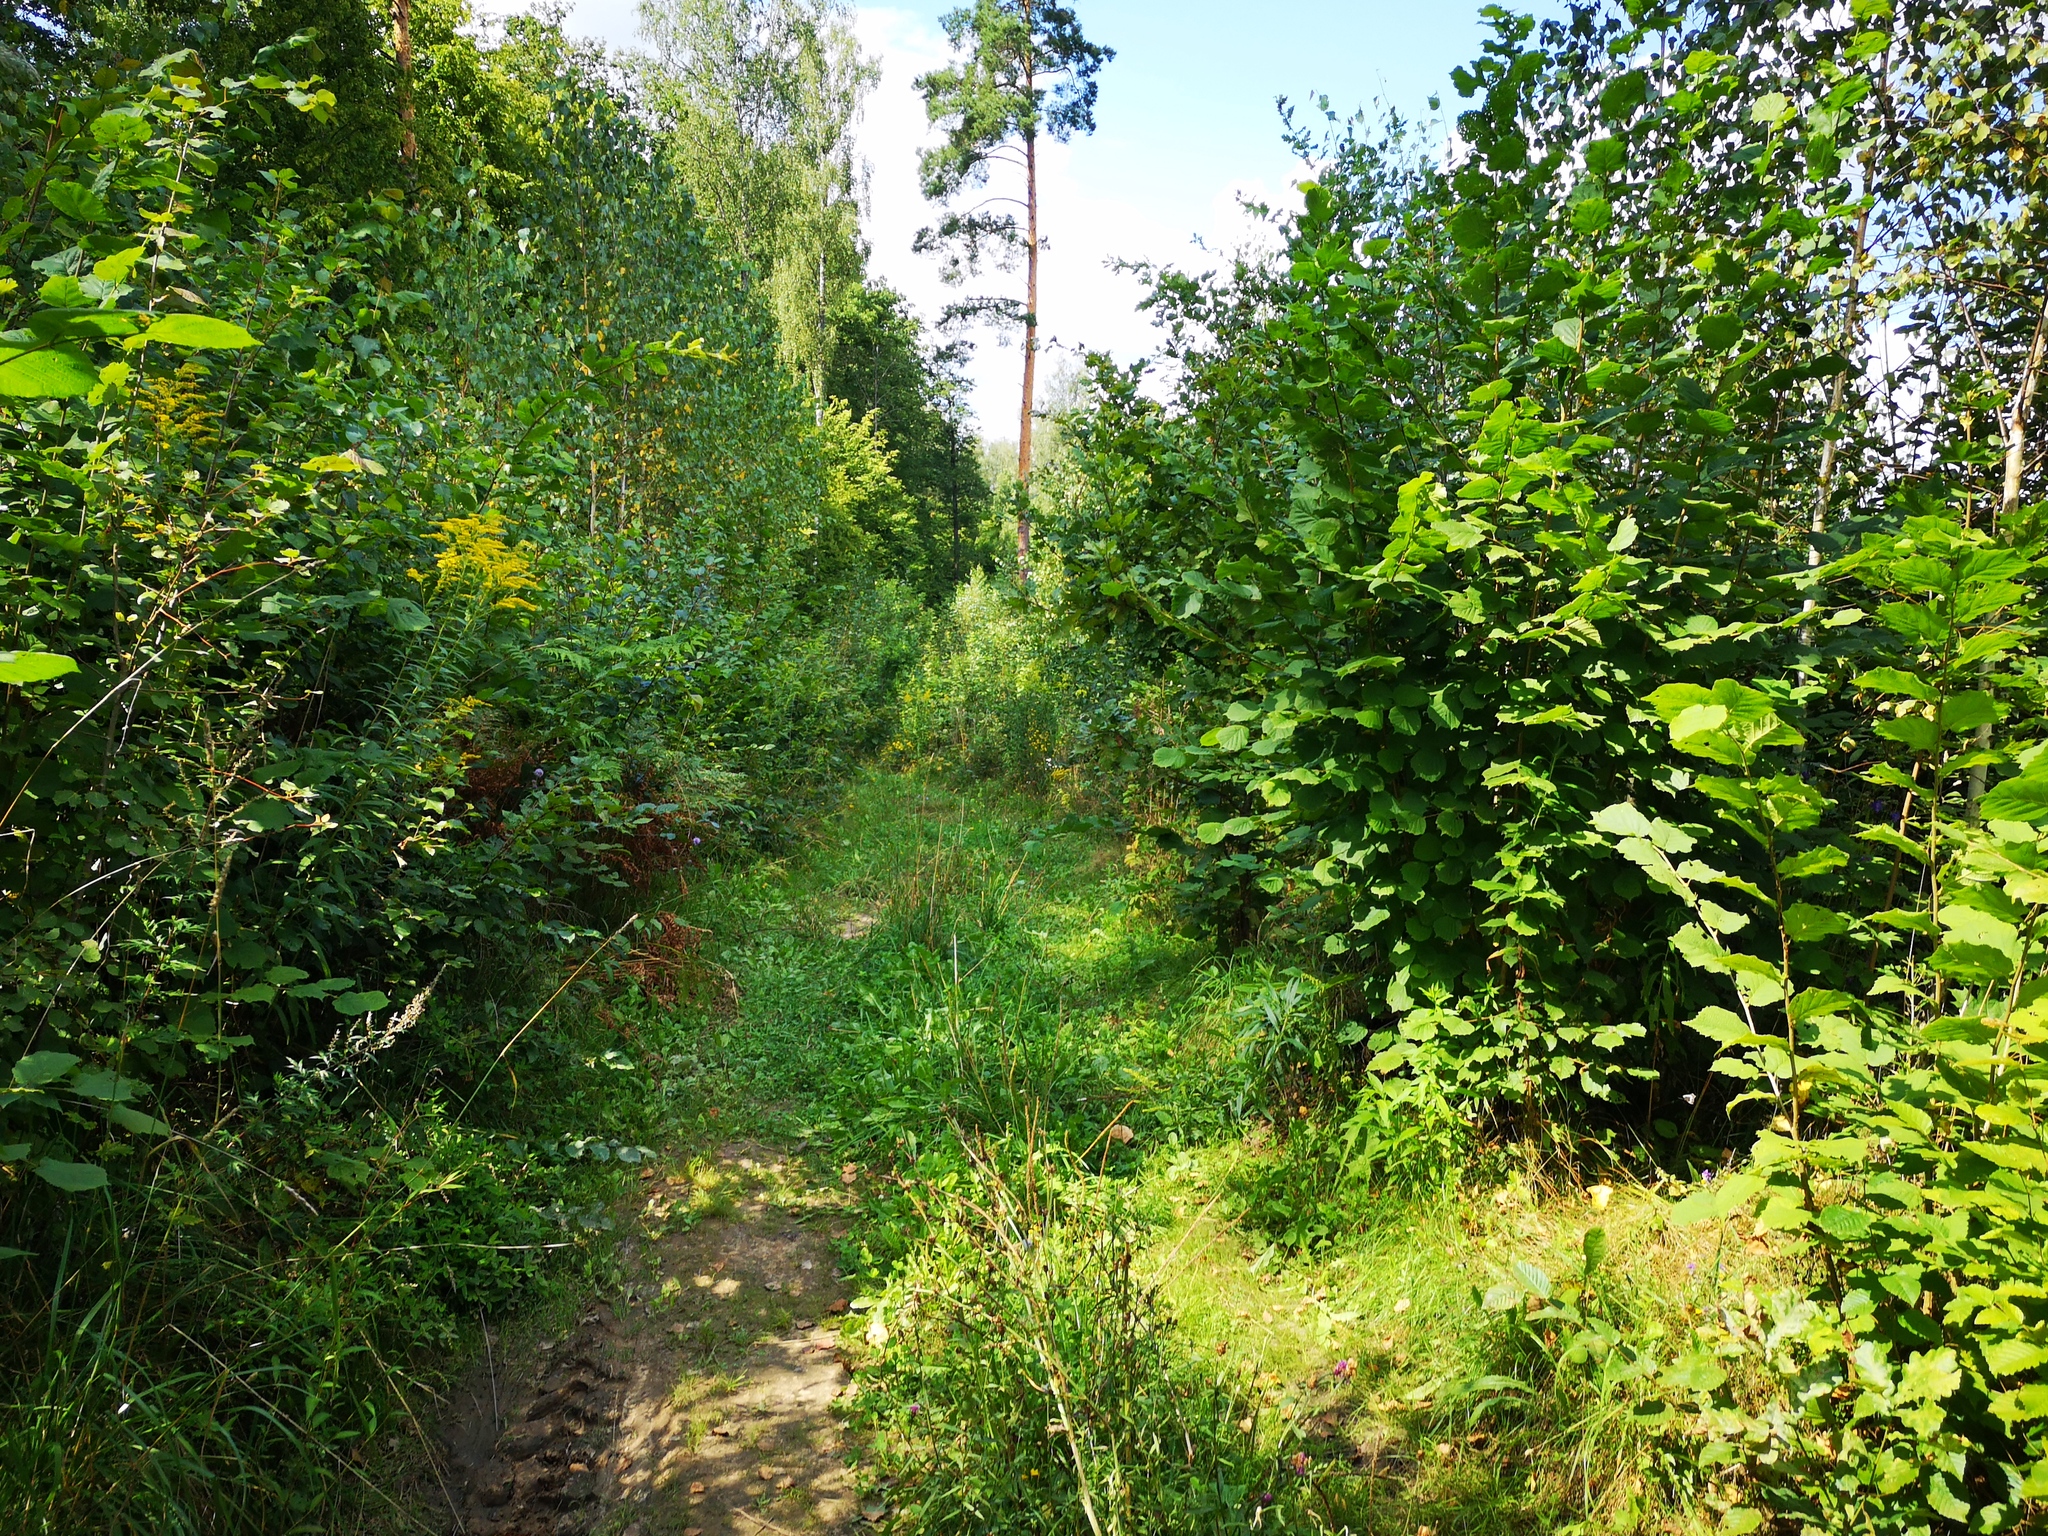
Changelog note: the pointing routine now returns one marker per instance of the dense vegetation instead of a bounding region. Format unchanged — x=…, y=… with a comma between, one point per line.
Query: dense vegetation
x=1605, y=575
x=1559, y=659
x=419, y=554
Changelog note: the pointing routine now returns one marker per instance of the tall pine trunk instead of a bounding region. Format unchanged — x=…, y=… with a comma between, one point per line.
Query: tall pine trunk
x=1030, y=327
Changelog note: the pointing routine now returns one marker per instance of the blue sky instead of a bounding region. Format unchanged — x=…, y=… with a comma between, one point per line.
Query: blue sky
x=1186, y=125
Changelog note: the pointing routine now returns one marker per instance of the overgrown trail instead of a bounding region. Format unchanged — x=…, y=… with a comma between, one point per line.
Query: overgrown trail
x=947, y=990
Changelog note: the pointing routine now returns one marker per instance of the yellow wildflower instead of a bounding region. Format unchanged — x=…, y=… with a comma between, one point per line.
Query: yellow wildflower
x=477, y=557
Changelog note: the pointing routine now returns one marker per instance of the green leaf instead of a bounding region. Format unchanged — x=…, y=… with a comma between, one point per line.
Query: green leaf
x=1891, y=839
x=109, y=1087
x=1593, y=1248
x=120, y=129
x=18, y=667
x=2022, y=799
x=39, y=1069
x=333, y=464
x=1892, y=680
x=80, y=324
x=2027, y=1402
x=115, y=269
x=76, y=201
x=1844, y=1222
x=1930, y=1376
x=408, y=617
x=1815, y=861
x=46, y=373
x=1808, y=924
x=1716, y=1200
x=1914, y=732
x=135, y=1120
x=1694, y=1371
x=353, y=1003
x=1719, y=1025
x=198, y=331
x=76, y=1178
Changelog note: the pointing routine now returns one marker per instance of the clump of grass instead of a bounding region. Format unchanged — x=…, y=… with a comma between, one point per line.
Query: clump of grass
x=1026, y=1380
x=947, y=891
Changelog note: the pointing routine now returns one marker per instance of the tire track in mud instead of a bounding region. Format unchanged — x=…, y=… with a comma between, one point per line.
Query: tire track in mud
x=698, y=1401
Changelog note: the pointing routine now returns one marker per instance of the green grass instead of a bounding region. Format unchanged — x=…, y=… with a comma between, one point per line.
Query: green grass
x=1078, y=1149
x=961, y=991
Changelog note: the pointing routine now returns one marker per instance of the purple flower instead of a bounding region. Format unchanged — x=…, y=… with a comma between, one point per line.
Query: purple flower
x=1344, y=1370
x=1300, y=1463
x=695, y=841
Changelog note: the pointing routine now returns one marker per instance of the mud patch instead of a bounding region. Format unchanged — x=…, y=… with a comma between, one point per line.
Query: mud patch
x=698, y=1401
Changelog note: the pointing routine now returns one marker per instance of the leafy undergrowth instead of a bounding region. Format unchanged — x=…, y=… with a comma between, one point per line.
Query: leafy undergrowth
x=1068, y=1143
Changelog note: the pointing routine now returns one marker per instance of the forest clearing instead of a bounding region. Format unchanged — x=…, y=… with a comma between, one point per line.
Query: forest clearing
x=1421, y=912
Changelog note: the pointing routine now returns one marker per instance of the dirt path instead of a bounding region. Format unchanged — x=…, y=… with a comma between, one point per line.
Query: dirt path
x=699, y=1400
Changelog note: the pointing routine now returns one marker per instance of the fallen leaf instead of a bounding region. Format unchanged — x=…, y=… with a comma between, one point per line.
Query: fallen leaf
x=1601, y=1194
x=696, y=1487
x=1122, y=1133
x=1401, y=1305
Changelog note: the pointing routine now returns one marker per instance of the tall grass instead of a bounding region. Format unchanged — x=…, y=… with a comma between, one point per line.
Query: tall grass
x=1026, y=1381
x=245, y=1330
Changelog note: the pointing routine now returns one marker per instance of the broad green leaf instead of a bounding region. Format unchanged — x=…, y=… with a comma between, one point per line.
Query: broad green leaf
x=76, y=1178
x=80, y=324
x=18, y=667
x=1694, y=1371
x=353, y=1003
x=1914, y=732
x=76, y=201
x=1892, y=680
x=46, y=373
x=120, y=129
x=117, y=267
x=1719, y=1025
x=1815, y=861
x=405, y=616
x=39, y=1069
x=110, y=1087
x=1845, y=1223
x=2023, y=1403
x=1808, y=924
x=1716, y=1200
x=135, y=1120
x=198, y=331
x=1891, y=839
x=2022, y=799
x=1930, y=1375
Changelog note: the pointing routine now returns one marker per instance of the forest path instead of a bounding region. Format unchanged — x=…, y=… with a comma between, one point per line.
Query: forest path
x=698, y=1401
